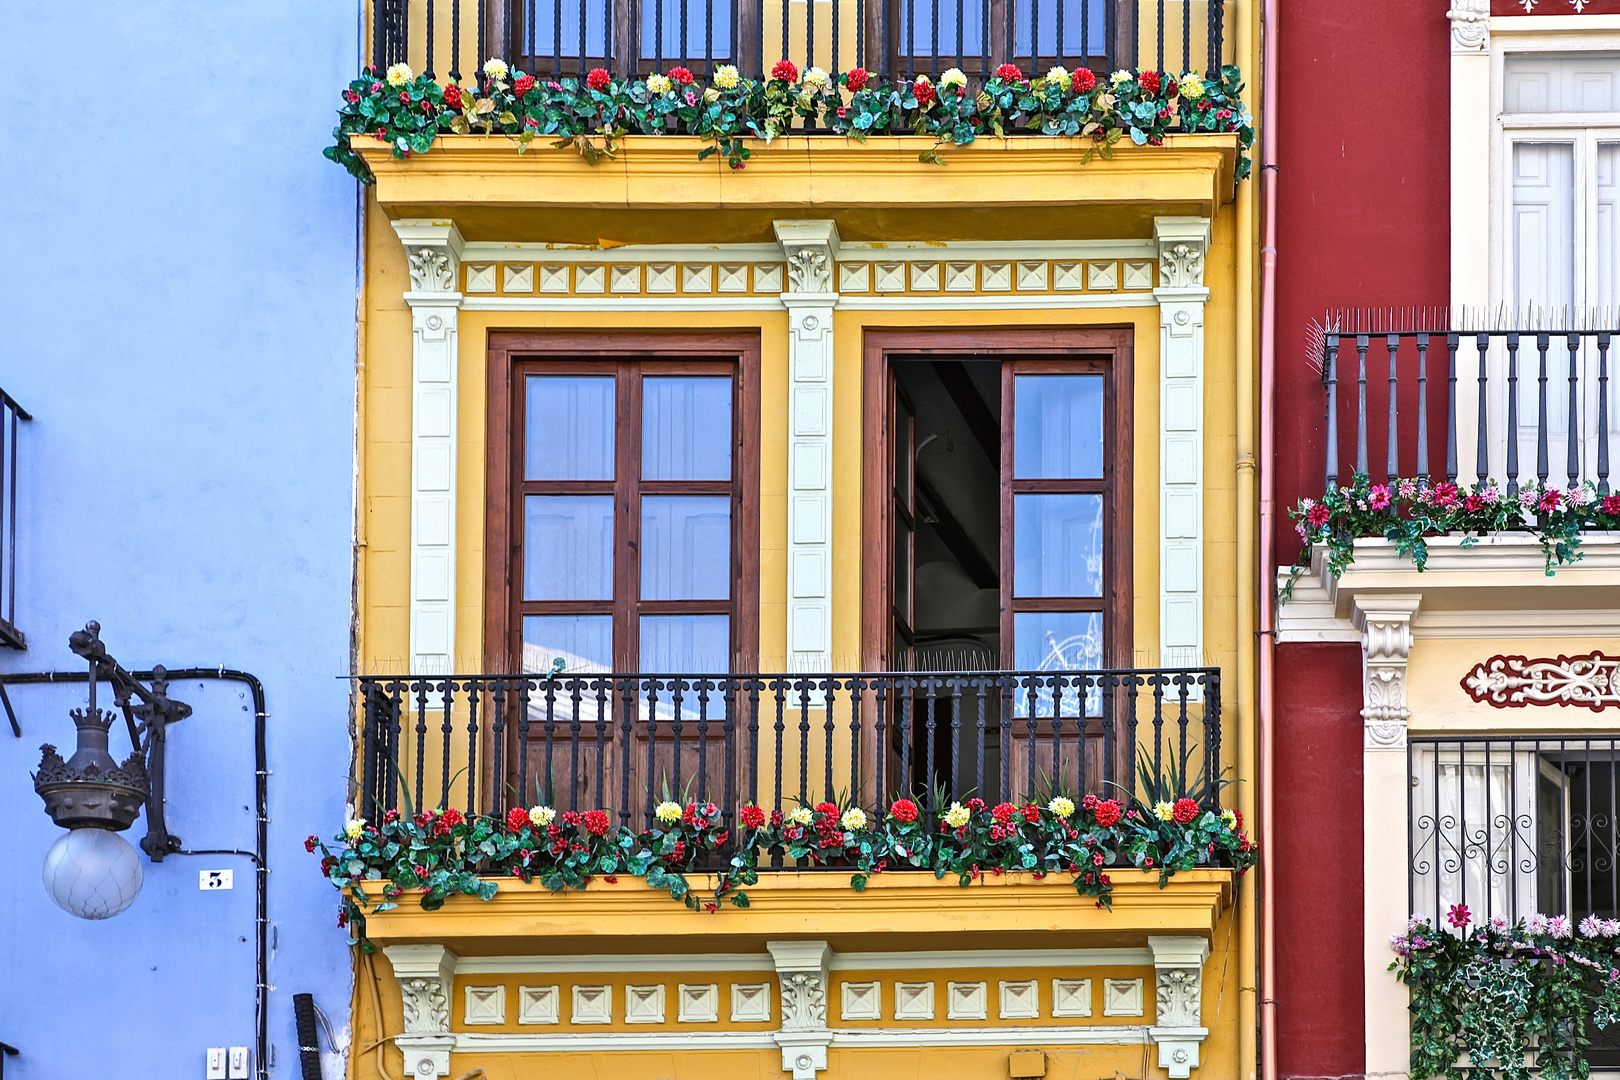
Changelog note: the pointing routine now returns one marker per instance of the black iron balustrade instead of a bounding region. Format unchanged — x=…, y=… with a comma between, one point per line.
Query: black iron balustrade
x=1514, y=826
x=11, y=415
x=894, y=38
x=628, y=742
x=1542, y=400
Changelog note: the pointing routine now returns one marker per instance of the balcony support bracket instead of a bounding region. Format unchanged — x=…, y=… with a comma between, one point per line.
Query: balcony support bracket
x=1178, y=1032
x=426, y=974
x=801, y=971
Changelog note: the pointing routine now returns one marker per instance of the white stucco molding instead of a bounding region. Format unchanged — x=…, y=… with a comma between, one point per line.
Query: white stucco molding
x=1470, y=25
x=433, y=253
x=1385, y=623
x=426, y=974
x=1178, y=1028
x=801, y=972
x=1182, y=244
x=811, y=251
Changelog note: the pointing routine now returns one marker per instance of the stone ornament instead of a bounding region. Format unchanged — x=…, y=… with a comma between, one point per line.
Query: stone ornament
x=1386, y=642
x=1516, y=682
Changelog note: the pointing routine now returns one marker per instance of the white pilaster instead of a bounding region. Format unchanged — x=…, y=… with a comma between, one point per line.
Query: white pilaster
x=801, y=971
x=433, y=251
x=426, y=974
x=1178, y=1028
x=1470, y=197
x=1385, y=623
x=1182, y=243
x=811, y=248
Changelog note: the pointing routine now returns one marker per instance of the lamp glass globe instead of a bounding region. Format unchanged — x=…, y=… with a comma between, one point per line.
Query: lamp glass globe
x=92, y=873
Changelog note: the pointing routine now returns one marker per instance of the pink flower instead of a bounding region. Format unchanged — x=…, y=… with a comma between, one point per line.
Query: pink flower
x=1318, y=515
x=1445, y=494
x=1610, y=505
x=1550, y=501
x=1378, y=498
x=1458, y=916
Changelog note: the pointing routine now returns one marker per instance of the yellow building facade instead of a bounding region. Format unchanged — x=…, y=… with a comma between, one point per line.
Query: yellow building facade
x=837, y=295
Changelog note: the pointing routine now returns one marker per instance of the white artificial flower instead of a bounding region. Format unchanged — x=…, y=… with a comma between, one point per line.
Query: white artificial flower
x=354, y=827
x=1120, y=77
x=1062, y=806
x=854, y=818
x=1229, y=819
x=659, y=84
x=801, y=815
x=399, y=75
x=816, y=79
x=953, y=77
x=668, y=812
x=495, y=68
x=1059, y=76
x=1164, y=811
x=542, y=816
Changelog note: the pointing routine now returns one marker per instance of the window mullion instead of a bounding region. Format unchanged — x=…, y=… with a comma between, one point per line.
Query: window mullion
x=627, y=544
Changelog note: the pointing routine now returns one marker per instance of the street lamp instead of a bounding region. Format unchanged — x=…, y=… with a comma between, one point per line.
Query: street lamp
x=91, y=871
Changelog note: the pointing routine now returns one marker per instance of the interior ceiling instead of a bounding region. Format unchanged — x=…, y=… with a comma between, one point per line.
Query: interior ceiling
x=608, y=227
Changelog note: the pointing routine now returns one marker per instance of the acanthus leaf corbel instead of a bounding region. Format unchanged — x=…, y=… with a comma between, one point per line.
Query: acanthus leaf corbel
x=801, y=971
x=425, y=974
x=1385, y=624
x=1178, y=1029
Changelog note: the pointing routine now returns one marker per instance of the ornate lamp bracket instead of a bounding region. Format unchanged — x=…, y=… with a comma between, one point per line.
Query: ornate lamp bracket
x=1178, y=1030
x=801, y=970
x=426, y=974
x=1385, y=623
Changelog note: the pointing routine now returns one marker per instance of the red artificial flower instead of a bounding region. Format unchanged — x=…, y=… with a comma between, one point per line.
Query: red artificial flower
x=1551, y=501
x=1610, y=505
x=517, y=819
x=441, y=827
x=679, y=851
x=1083, y=80
x=597, y=822
x=680, y=76
x=309, y=843
x=1445, y=494
x=1090, y=802
x=752, y=817
x=350, y=96
x=690, y=814
x=453, y=816
x=1170, y=88
x=843, y=111
x=1096, y=858
x=452, y=96
x=1185, y=811
x=785, y=71
x=1150, y=81
x=343, y=917
x=827, y=808
x=1108, y=813
x=1224, y=115
x=975, y=804
x=855, y=79
x=1459, y=915
x=598, y=79
x=327, y=864
x=405, y=97
x=1147, y=863
x=523, y=85
x=776, y=819
x=1009, y=73
x=903, y=810
x=1004, y=812
x=924, y=93
x=570, y=817
x=1032, y=813
x=390, y=816
x=419, y=870
x=1474, y=503
x=1318, y=515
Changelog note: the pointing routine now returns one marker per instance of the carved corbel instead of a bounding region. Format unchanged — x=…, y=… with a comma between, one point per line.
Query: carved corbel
x=1470, y=26
x=801, y=971
x=1178, y=1029
x=425, y=974
x=1385, y=623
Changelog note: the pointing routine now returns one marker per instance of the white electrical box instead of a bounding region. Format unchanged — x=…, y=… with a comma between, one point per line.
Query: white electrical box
x=214, y=880
x=238, y=1060
x=216, y=1063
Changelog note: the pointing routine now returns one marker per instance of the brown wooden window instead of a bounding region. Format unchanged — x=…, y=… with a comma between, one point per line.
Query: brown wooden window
x=628, y=513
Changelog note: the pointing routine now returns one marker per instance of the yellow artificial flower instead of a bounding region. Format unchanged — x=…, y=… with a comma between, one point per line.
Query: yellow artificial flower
x=399, y=75
x=354, y=827
x=659, y=84
x=953, y=77
x=854, y=818
x=495, y=68
x=957, y=816
x=1059, y=76
x=726, y=77
x=1119, y=77
x=816, y=79
x=1062, y=806
x=800, y=815
x=542, y=816
x=1229, y=819
x=1192, y=87
x=1164, y=811
x=668, y=813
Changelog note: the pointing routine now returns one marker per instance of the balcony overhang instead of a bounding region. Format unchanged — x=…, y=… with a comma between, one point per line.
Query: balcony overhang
x=896, y=910
x=657, y=191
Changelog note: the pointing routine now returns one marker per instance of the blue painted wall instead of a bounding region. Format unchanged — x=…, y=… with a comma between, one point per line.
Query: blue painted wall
x=178, y=315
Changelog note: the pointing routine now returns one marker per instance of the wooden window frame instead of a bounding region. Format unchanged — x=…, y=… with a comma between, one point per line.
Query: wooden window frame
x=514, y=355
x=1035, y=351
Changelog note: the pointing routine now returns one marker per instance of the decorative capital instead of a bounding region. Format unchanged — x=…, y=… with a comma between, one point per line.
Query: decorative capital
x=1470, y=26
x=433, y=253
x=811, y=249
x=801, y=969
x=1385, y=623
x=1182, y=243
x=1177, y=1030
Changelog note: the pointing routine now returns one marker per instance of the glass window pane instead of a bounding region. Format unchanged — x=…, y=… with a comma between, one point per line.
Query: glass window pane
x=1057, y=545
x=685, y=644
x=568, y=547
x=581, y=642
x=1057, y=427
x=1056, y=641
x=931, y=29
x=904, y=453
x=685, y=547
x=686, y=428
x=553, y=38
x=569, y=422
x=661, y=22
x=1085, y=29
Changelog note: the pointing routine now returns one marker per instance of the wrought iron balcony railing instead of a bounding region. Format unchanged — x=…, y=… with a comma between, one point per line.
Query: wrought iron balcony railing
x=627, y=742
x=1535, y=404
x=898, y=38
x=11, y=414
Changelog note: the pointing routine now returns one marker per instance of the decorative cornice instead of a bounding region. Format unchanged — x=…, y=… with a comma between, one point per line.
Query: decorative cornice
x=1470, y=26
x=1514, y=682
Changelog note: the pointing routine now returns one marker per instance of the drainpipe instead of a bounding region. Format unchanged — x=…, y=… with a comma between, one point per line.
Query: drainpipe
x=1268, y=575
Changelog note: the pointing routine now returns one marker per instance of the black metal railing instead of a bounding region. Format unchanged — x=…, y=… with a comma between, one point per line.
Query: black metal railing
x=627, y=742
x=1535, y=404
x=11, y=415
x=896, y=38
x=1514, y=826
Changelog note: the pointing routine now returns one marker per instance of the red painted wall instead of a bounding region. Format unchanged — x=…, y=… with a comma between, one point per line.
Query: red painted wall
x=1363, y=208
